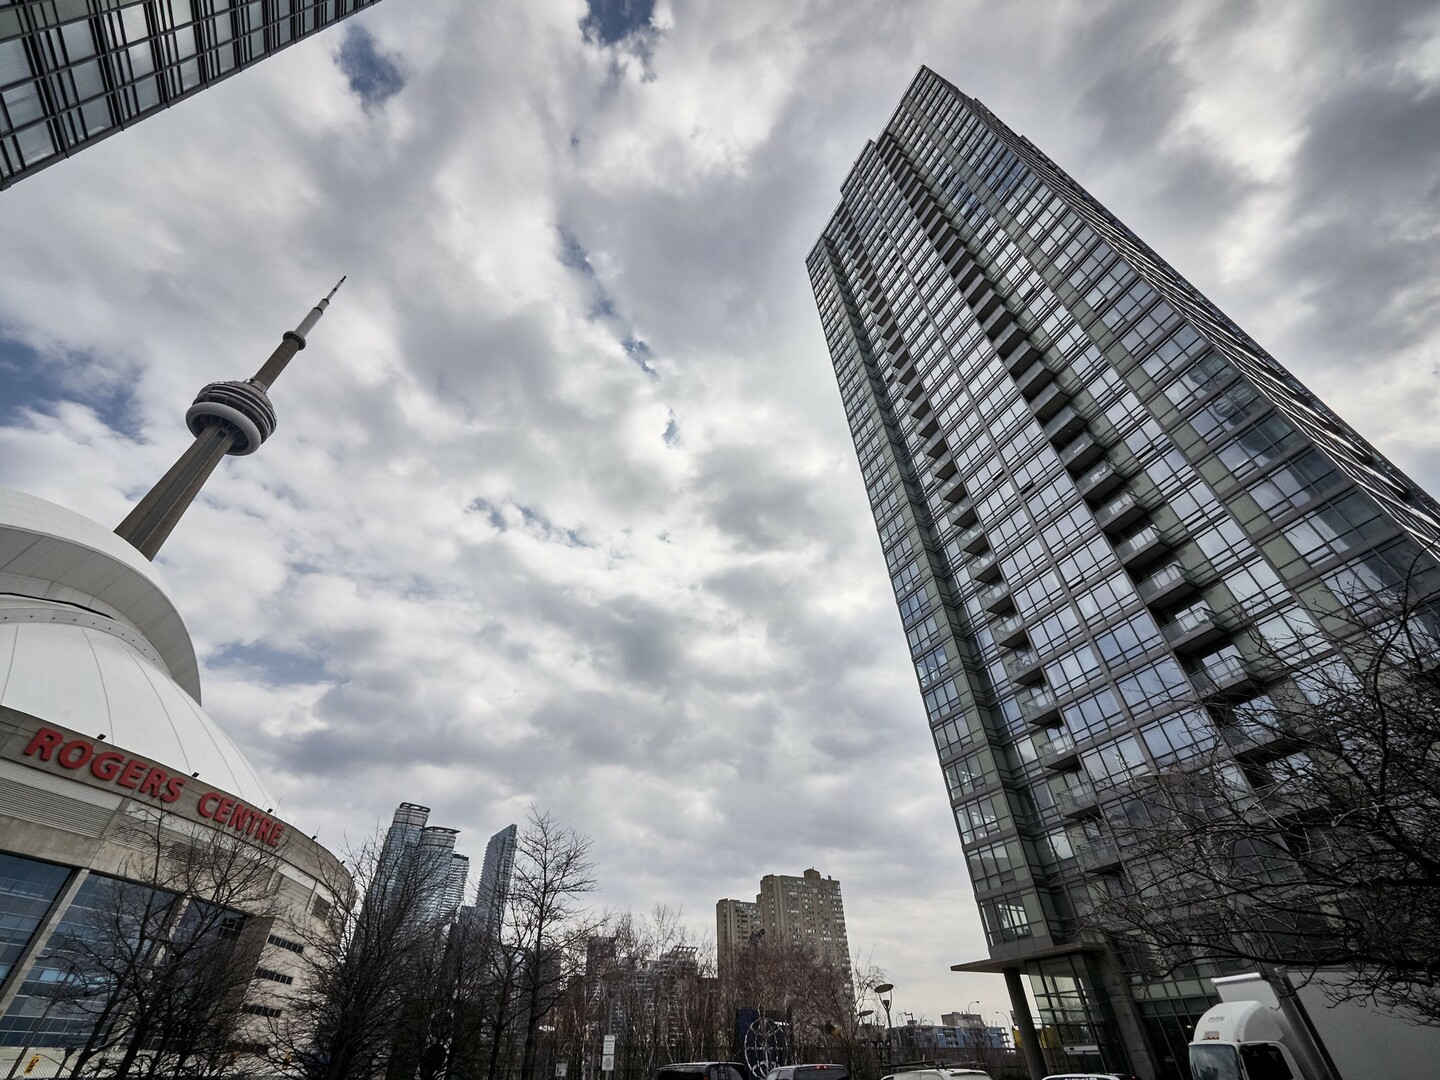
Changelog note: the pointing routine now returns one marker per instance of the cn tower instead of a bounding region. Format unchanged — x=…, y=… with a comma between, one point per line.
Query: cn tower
x=227, y=418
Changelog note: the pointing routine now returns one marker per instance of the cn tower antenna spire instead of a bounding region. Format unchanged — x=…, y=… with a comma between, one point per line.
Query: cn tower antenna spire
x=226, y=418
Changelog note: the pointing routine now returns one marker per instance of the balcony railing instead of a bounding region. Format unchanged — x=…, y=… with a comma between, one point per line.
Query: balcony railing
x=964, y=512
x=1080, y=452
x=1077, y=800
x=1049, y=401
x=1057, y=752
x=1098, y=856
x=1064, y=425
x=985, y=567
x=996, y=598
x=973, y=540
x=1165, y=584
x=1024, y=665
x=1033, y=379
x=1100, y=480
x=1193, y=628
x=1039, y=707
x=1223, y=677
x=1009, y=630
x=1137, y=546
x=1120, y=512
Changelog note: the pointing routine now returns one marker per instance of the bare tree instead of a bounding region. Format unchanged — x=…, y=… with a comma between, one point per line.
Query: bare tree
x=374, y=954
x=552, y=872
x=1310, y=841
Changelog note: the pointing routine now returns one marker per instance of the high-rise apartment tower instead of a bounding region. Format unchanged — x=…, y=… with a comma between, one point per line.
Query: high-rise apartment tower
x=419, y=867
x=495, y=875
x=1101, y=503
x=805, y=910
x=73, y=72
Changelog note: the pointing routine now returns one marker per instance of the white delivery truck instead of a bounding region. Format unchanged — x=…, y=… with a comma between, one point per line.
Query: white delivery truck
x=1284, y=1028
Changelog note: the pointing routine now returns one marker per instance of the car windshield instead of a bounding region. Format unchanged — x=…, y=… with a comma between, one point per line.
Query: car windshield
x=1215, y=1063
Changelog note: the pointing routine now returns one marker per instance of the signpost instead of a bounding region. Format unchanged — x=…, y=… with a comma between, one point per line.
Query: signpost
x=607, y=1055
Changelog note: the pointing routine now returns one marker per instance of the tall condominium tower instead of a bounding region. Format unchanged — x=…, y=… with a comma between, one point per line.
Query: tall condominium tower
x=73, y=72
x=494, y=888
x=418, y=862
x=1101, y=504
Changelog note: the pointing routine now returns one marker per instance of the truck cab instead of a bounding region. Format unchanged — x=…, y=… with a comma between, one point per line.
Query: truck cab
x=1242, y=1040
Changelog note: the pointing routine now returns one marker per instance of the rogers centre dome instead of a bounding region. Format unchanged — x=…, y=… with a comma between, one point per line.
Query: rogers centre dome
x=89, y=639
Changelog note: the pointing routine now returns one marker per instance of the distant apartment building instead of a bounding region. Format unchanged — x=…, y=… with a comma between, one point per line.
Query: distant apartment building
x=805, y=910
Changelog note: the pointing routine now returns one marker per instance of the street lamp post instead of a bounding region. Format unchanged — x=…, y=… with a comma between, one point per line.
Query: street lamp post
x=887, y=989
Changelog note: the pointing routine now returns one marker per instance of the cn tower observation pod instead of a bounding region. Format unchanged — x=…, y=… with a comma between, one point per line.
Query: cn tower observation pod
x=91, y=641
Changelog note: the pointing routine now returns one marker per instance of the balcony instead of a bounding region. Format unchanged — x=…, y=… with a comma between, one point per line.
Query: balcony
x=1098, y=856
x=996, y=598
x=1009, y=631
x=1077, y=801
x=1024, y=666
x=1101, y=480
x=1141, y=546
x=954, y=493
x=1081, y=453
x=964, y=512
x=1253, y=741
x=1064, y=425
x=937, y=446
x=1039, y=707
x=1120, y=513
x=1225, y=677
x=1194, y=628
x=1167, y=584
x=1049, y=401
x=985, y=567
x=1022, y=355
x=944, y=467
x=1008, y=338
x=1058, y=752
x=1034, y=378
x=973, y=540
x=984, y=304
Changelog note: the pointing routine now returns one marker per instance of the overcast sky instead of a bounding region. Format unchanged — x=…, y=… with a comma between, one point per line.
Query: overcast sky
x=562, y=507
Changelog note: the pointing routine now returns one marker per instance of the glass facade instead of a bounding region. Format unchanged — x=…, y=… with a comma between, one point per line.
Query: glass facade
x=73, y=71
x=1101, y=504
x=113, y=934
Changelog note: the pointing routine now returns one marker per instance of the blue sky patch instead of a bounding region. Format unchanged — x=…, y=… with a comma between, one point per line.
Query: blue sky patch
x=373, y=75
x=31, y=381
x=278, y=667
x=609, y=21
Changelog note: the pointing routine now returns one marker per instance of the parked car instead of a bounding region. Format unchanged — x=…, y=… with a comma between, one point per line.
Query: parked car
x=702, y=1070
x=808, y=1072
x=939, y=1074
x=1089, y=1076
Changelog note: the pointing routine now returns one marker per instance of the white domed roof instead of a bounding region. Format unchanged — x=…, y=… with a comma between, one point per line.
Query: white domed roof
x=89, y=640
x=52, y=553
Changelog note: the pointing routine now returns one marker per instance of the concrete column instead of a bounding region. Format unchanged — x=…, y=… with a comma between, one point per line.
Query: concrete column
x=1025, y=1024
x=40, y=938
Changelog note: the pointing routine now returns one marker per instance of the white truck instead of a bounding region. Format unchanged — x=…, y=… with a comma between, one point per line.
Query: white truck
x=1284, y=1028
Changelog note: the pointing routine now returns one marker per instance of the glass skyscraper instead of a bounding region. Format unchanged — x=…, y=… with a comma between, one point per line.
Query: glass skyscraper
x=74, y=71
x=1102, y=504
